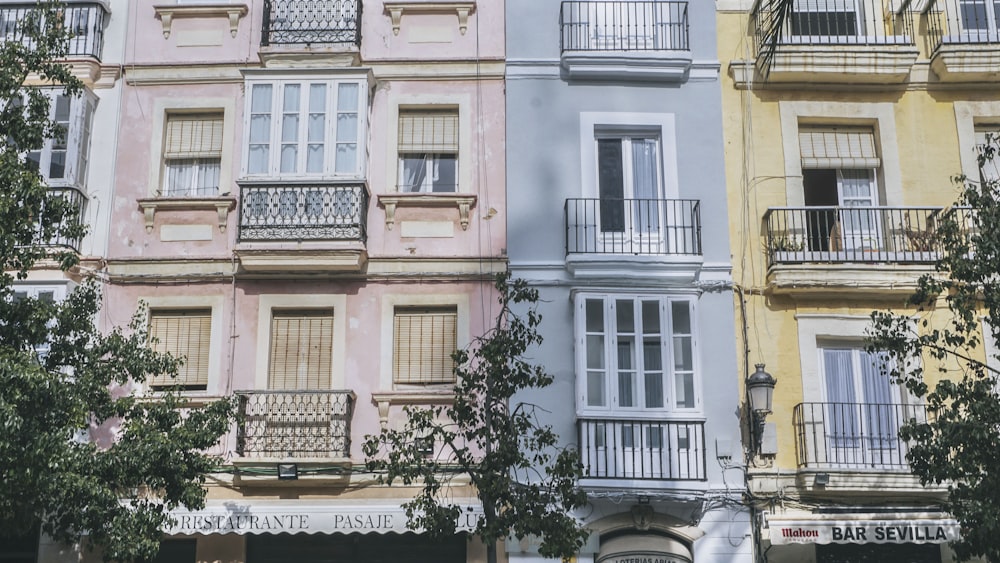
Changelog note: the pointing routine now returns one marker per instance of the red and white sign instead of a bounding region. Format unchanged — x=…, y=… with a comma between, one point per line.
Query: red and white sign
x=863, y=531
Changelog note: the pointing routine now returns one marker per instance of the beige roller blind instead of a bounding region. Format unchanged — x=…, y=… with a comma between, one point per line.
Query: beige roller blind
x=184, y=334
x=423, y=341
x=301, y=351
x=428, y=131
x=838, y=147
x=193, y=136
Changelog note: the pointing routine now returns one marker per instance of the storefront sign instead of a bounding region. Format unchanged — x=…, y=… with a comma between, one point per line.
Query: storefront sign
x=864, y=531
x=278, y=517
x=643, y=558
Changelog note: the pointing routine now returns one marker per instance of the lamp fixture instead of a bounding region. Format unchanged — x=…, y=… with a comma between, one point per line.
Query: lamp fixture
x=288, y=471
x=760, y=394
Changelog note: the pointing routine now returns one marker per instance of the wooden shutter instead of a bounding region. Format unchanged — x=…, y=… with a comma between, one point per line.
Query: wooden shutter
x=301, y=353
x=838, y=147
x=424, y=339
x=193, y=136
x=184, y=334
x=428, y=131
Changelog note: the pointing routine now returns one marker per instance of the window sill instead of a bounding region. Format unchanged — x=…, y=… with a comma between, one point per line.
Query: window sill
x=429, y=396
x=464, y=202
x=167, y=13
x=222, y=205
x=395, y=9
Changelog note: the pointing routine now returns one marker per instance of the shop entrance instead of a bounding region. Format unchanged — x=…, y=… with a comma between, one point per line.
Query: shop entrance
x=878, y=553
x=355, y=548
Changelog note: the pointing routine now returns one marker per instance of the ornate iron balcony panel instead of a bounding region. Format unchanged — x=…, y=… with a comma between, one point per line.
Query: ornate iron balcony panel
x=314, y=22
x=289, y=424
x=303, y=212
x=76, y=198
x=646, y=449
x=85, y=21
x=853, y=435
x=633, y=226
x=630, y=25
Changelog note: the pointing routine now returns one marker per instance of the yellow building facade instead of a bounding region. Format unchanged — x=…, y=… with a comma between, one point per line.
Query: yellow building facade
x=839, y=163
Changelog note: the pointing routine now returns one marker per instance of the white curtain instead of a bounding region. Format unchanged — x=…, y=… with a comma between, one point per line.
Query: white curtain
x=880, y=415
x=644, y=185
x=843, y=426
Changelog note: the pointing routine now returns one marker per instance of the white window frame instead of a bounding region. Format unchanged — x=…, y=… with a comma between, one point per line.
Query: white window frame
x=198, y=165
x=390, y=303
x=169, y=105
x=214, y=303
x=594, y=124
x=265, y=311
x=305, y=79
x=78, y=135
x=404, y=102
x=612, y=408
x=967, y=116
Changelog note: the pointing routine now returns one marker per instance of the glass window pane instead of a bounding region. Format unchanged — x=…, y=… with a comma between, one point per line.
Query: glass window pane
x=317, y=122
x=682, y=354
x=347, y=97
x=346, y=161
x=314, y=159
x=291, y=101
x=681, y=311
x=257, y=159
x=595, y=389
x=260, y=101
x=62, y=108
x=317, y=98
x=654, y=390
x=652, y=356
x=625, y=315
x=289, y=128
x=57, y=164
x=595, y=352
x=650, y=317
x=626, y=351
x=626, y=389
x=685, y=391
x=260, y=128
x=595, y=315
x=289, y=157
x=347, y=127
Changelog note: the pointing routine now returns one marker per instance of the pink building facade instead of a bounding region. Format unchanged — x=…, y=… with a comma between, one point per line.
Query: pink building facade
x=309, y=205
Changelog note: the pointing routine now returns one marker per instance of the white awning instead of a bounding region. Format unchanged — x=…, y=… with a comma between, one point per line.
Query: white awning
x=863, y=531
x=308, y=517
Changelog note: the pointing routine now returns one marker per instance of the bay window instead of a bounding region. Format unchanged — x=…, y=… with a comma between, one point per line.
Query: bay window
x=636, y=354
x=308, y=128
x=62, y=159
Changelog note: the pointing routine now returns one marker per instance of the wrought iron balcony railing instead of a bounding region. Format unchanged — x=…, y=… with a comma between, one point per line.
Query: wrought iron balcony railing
x=642, y=449
x=289, y=22
x=289, y=424
x=836, y=22
x=962, y=22
x=852, y=234
x=633, y=226
x=84, y=20
x=623, y=25
x=75, y=198
x=303, y=212
x=853, y=435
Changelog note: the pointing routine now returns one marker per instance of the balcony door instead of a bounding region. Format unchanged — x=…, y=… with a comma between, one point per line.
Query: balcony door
x=826, y=18
x=862, y=409
x=979, y=19
x=630, y=183
x=628, y=26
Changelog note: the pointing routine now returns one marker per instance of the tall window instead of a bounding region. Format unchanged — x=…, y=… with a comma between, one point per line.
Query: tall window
x=636, y=353
x=428, y=150
x=305, y=128
x=192, y=155
x=629, y=179
x=980, y=17
x=185, y=334
x=990, y=170
x=301, y=351
x=423, y=341
x=838, y=174
x=862, y=418
x=62, y=160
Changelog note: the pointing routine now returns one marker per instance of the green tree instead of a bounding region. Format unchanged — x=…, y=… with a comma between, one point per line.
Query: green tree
x=527, y=486
x=958, y=442
x=62, y=381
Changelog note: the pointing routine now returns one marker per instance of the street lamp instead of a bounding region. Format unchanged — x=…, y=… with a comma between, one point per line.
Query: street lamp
x=760, y=392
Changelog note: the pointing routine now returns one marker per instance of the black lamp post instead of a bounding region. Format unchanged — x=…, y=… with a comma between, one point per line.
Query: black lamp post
x=760, y=391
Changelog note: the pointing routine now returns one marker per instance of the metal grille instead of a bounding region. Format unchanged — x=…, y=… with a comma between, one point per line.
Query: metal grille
x=76, y=198
x=961, y=22
x=311, y=212
x=288, y=424
x=85, y=21
x=642, y=449
x=853, y=435
x=633, y=226
x=311, y=22
x=623, y=26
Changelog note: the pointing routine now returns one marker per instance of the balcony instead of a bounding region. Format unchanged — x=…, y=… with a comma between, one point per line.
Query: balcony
x=316, y=24
x=656, y=237
x=963, y=39
x=642, y=449
x=303, y=227
x=85, y=20
x=851, y=41
x=75, y=198
x=625, y=39
x=294, y=424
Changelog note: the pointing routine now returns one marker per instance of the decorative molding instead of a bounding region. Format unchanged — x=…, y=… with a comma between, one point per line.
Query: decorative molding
x=286, y=258
x=464, y=202
x=222, y=205
x=167, y=13
x=384, y=399
x=147, y=75
x=396, y=9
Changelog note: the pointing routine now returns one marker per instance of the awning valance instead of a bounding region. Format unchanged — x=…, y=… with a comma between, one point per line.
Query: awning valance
x=863, y=531
x=308, y=517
